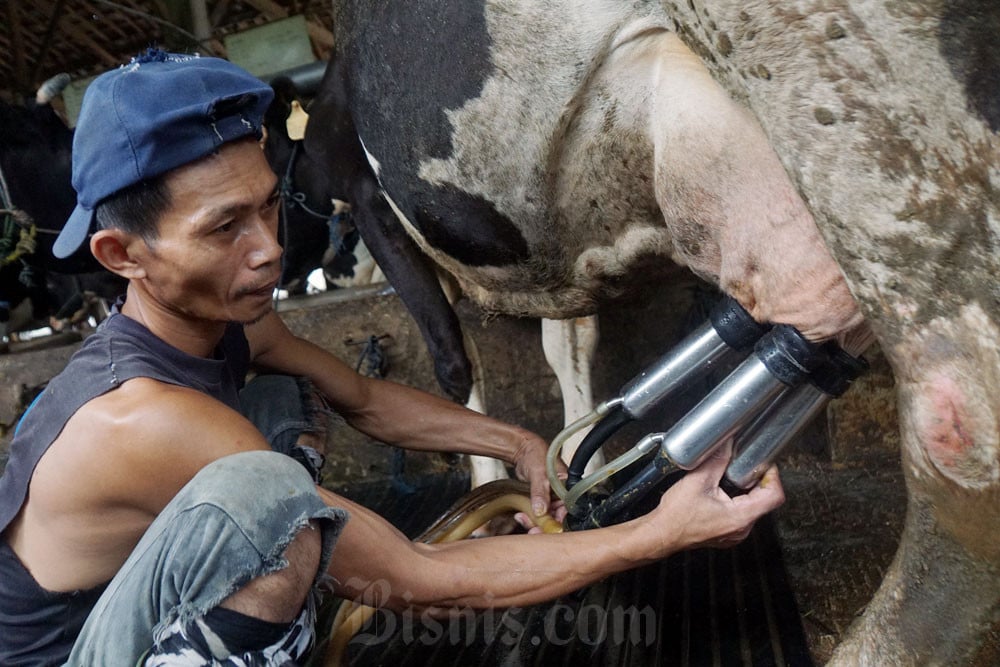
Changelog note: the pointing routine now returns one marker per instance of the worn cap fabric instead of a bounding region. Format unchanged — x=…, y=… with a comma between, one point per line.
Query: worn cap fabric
x=159, y=112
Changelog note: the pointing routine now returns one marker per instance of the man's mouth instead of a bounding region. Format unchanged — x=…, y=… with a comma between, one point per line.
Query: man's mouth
x=266, y=288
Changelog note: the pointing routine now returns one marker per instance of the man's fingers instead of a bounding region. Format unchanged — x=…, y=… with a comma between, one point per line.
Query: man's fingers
x=768, y=493
x=714, y=467
x=770, y=478
x=540, y=493
x=531, y=467
x=526, y=523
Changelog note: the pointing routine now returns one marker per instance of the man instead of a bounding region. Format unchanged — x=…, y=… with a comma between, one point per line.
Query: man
x=145, y=519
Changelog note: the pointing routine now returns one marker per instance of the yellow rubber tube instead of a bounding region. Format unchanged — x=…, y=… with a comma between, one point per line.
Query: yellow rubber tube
x=641, y=449
x=589, y=419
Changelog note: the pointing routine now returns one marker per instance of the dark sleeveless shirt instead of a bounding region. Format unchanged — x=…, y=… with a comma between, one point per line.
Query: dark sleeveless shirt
x=38, y=627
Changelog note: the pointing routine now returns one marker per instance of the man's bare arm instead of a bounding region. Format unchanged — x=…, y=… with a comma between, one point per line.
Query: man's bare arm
x=120, y=459
x=382, y=409
x=372, y=557
x=397, y=414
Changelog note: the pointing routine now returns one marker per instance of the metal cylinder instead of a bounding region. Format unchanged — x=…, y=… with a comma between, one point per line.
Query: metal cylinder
x=695, y=356
x=730, y=406
x=758, y=449
x=782, y=359
x=728, y=335
x=763, y=440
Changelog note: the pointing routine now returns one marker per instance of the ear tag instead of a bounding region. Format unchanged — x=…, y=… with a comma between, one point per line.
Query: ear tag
x=296, y=122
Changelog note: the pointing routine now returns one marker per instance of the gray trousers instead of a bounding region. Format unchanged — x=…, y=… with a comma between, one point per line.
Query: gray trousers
x=228, y=525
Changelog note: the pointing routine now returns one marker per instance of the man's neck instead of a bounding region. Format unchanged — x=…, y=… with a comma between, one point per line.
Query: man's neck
x=196, y=337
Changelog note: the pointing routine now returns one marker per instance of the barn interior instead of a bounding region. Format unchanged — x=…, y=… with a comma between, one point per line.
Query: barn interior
x=83, y=38
x=835, y=536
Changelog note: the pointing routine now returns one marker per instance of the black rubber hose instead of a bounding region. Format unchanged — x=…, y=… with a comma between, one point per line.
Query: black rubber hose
x=634, y=490
x=597, y=436
x=838, y=370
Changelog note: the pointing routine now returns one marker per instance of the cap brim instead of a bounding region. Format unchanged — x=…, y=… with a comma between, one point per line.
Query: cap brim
x=74, y=233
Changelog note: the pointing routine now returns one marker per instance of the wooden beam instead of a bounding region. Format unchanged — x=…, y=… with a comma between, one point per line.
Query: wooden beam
x=170, y=13
x=199, y=20
x=272, y=10
x=218, y=13
x=161, y=7
x=319, y=35
x=124, y=23
x=268, y=8
x=54, y=12
x=81, y=31
x=17, y=44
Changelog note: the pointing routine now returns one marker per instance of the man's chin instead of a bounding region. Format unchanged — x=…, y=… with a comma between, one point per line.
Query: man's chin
x=253, y=321
x=248, y=321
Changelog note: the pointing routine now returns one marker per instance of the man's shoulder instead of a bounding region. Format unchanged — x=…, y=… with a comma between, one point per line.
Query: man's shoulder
x=145, y=416
x=147, y=400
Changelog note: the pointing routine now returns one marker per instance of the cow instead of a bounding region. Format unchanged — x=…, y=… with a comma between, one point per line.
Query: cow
x=315, y=230
x=304, y=232
x=832, y=165
x=35, y=150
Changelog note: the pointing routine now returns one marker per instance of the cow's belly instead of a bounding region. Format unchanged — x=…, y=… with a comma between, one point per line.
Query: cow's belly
x=655, y=168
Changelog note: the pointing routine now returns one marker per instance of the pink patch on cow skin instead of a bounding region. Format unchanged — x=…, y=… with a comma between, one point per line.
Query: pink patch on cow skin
x=944, y=425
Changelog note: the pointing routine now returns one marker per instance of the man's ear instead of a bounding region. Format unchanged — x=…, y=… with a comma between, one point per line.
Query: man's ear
x=113, y=249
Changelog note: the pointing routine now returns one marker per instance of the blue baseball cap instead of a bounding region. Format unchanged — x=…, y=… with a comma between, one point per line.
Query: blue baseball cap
x=160, y=111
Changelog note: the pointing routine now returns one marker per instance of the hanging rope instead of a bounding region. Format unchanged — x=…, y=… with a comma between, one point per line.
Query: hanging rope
x=18, y=234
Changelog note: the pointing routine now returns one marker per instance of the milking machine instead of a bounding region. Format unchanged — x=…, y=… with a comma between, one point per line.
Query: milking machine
x=727, y=336
x=782, y=381
x=761, y=442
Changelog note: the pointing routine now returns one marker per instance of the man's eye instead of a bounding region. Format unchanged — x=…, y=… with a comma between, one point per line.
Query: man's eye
x=273, y=200
x=223, y=228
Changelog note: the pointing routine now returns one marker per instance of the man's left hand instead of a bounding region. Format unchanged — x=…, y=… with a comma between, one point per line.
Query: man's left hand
x=529, y=465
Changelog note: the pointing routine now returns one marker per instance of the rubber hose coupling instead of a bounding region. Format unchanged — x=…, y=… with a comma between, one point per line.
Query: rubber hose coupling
x=735, y=326
x=788, y=356
x=837, y=370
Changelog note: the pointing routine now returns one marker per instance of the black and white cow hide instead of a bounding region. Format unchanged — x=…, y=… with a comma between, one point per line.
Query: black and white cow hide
x=833, y=165
x=35, y=150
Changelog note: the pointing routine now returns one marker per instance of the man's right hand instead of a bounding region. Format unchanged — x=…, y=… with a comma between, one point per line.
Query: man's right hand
x=696, y=512
x=518, y=570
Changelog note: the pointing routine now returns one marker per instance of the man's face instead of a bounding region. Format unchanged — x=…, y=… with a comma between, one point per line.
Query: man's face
x=216, y=256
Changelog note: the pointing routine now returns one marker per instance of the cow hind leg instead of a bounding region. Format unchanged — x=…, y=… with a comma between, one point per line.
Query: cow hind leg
x=483, y=469
x=569, y=347
x=941, y=595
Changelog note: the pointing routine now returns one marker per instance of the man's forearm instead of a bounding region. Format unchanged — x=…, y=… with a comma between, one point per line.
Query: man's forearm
x=372, y=556
x=512, y=571
x=421, y=421
x=492, y=572
x=385, y=410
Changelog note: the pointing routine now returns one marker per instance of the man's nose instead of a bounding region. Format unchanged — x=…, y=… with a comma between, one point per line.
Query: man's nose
x=266, y=249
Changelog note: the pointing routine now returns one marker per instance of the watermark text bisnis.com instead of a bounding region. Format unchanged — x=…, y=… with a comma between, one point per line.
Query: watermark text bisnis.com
x=561, y=624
